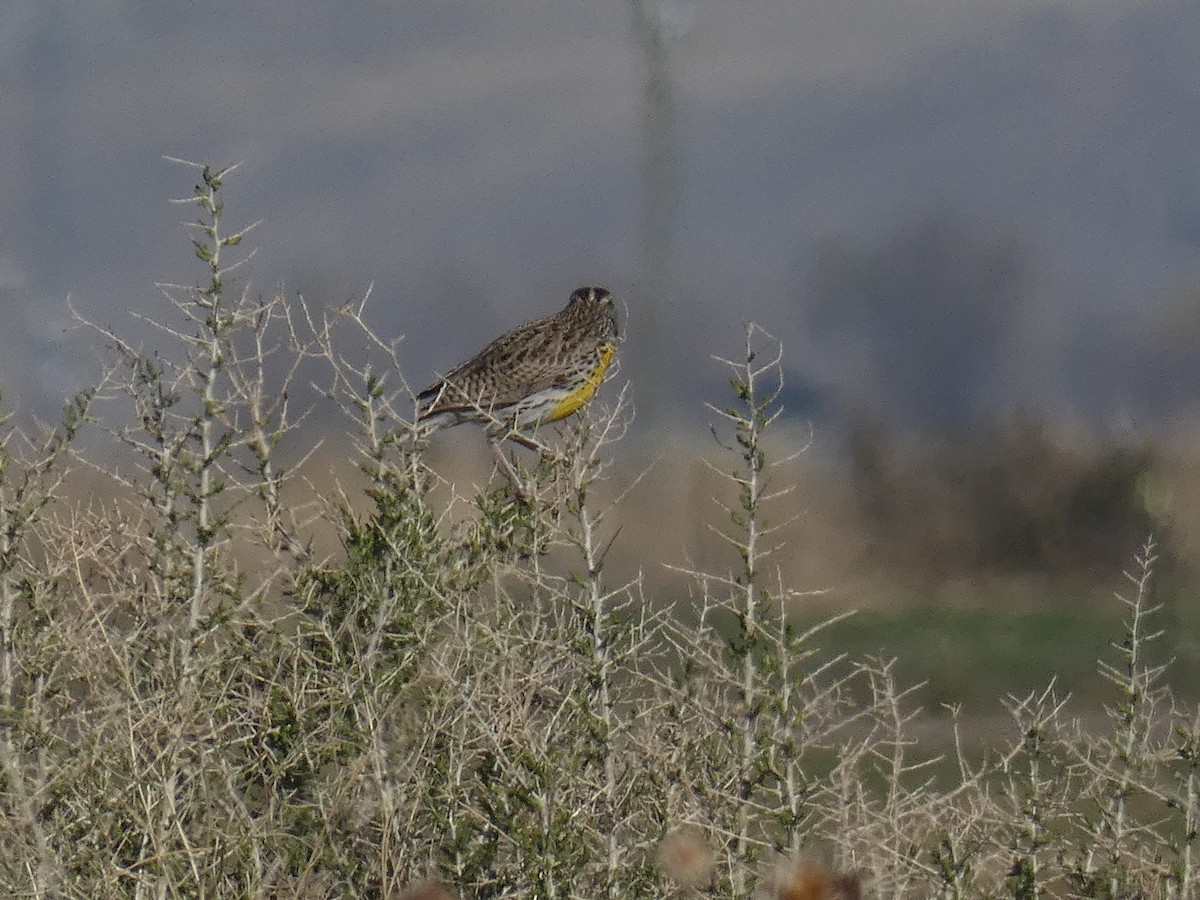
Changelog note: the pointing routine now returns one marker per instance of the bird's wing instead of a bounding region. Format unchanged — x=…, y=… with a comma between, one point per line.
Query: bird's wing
x=504, y=372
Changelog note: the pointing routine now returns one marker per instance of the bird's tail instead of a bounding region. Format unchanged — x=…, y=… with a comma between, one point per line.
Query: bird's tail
x=429, y=417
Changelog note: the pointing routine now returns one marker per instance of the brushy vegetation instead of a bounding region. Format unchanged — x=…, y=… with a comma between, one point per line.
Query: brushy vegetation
x=462, y=703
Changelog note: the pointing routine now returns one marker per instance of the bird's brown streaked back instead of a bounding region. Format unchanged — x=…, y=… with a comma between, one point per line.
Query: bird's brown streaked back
x=540, y=371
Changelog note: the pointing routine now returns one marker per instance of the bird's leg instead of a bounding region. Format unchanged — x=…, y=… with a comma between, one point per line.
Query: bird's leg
x=506, y=468
x=528, y=443
x=545, y=453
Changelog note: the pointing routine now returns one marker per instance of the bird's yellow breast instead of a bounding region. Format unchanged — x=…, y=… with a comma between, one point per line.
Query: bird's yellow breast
x=587, y=388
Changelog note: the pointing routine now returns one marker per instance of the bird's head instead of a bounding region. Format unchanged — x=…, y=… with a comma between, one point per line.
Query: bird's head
x=593, y=301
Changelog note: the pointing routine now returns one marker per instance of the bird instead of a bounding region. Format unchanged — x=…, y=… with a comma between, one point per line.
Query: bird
x=540, y=372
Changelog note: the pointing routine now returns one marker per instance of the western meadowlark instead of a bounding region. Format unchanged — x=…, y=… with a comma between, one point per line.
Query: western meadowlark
x=541, y=372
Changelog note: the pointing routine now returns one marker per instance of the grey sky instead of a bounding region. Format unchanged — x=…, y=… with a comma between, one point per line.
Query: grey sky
x=477, y=161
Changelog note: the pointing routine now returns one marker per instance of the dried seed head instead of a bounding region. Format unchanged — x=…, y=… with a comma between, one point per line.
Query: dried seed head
x=685, y=857
x=810, y=880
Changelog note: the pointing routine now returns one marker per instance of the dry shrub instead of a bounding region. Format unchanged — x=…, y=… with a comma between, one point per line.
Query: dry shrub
x=463, y=692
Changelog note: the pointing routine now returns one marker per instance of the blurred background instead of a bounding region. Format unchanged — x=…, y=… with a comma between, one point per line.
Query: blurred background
x=974, y=227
